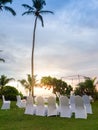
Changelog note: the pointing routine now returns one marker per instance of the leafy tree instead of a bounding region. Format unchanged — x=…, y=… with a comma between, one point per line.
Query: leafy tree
x=28, y=83
x=7, y=8
x=59, y=87
x=36, y=10
x=86, y=87
x=47, y=81
x=4, y=81
x=10, y=92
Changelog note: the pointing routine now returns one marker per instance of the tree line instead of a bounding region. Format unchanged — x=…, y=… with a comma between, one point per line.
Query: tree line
x=58, y=86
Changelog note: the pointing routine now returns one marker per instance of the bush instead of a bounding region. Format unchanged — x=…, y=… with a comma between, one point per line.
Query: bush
x=10, y=93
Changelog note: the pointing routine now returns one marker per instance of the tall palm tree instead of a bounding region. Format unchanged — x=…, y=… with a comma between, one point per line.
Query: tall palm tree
x=36, y=10
x=4, y=81
x=28, y=83
x=7, y=8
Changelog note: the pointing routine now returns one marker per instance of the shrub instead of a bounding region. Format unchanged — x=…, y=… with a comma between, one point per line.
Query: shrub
x=10, y=93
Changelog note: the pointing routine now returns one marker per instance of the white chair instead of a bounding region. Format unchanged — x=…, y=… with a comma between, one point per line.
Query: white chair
x=80, y=110
x=87, y=104
x=20, y=103
x=6, y=104
x=72, y=103
x=41, y=110
x=64, y=109
x=52, y=107
x=30, y=108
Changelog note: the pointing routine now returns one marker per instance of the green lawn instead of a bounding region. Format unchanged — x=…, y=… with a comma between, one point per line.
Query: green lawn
x=14, y=119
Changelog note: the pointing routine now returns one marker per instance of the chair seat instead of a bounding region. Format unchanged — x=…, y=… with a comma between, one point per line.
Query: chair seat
x=7, y=101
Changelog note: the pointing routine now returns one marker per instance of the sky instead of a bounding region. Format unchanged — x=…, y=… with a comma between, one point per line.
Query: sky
x=67, y=45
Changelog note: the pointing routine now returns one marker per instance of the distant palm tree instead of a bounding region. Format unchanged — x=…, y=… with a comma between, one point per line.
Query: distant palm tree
x=87, y=87
x=36, y=10
x=7, y=8
x=4, y=81
x=28, y=83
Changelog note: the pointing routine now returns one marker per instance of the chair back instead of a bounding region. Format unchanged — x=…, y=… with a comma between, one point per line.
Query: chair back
x=3, y=98
x=72, y=99
x=64, y=101
x=18, y=98
x=79, y=102
x=86, y=99
x=51, y=101
x=40, y=101
x=29, y=100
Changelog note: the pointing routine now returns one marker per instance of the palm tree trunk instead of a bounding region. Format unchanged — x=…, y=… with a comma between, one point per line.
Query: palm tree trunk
x=32, y=57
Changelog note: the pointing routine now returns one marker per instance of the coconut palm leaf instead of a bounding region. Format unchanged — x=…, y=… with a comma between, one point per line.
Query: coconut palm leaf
x=46, y=11
x=28, y=83
x=2, y=60
x=5, y=1
x=29, y=79
x=38, y=4
x=41, y=19
x=28, y=12
x=3, y=6
x=27, y=7
x=10, y=10
x=4, y=81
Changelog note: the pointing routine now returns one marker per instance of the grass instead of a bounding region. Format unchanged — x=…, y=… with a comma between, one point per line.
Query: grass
x=15, y=119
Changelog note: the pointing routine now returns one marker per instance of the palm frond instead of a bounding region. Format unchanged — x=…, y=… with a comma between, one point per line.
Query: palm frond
x=10, y=10
x=38, y=4
x=28, y=12
x=41, y=19
x=5, y=1
x=46, y=11
x=2, y=60
x=29, y=78
x=22, y=81
x=9, y=79
x=27, y=7
x=25, y=83
x=4, y=80
x=1, y=7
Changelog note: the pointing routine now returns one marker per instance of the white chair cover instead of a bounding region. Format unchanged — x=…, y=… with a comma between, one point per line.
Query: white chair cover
x=72, y=103
x=64, y=110
x=41, y=110
x=20, y=103
x=87, y=104
x=6, y=104
x=30, y=108
x=80, y=110
x=52, y=107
